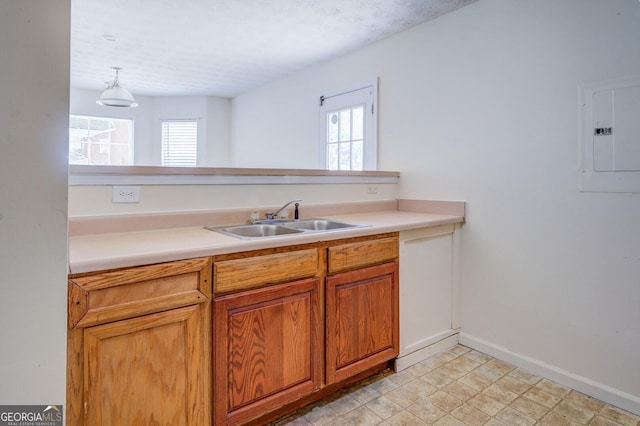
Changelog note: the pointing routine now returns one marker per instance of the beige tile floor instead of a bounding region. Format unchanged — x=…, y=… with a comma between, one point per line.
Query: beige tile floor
x=461, y=387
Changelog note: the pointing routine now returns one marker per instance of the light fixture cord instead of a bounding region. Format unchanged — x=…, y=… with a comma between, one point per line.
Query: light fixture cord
x=116, y=82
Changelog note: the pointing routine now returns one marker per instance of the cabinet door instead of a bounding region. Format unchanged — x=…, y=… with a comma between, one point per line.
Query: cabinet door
x=108, y=310
x=148, y=370
x=267, y=349
x=361, y=320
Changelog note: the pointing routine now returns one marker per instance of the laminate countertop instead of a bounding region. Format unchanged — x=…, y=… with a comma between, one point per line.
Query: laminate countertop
x=90, y=253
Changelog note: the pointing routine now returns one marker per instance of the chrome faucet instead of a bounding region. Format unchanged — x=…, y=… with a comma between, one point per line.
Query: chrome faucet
x=274, y=215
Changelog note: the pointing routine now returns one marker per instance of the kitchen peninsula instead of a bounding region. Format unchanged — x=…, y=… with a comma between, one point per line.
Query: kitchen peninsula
x=186, y=315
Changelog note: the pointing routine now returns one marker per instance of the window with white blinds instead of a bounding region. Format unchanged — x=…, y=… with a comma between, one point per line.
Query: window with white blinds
x=179, y=143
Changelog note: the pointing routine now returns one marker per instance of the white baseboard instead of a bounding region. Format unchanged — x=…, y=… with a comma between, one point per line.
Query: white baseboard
x=582, y=384
x=416, y=346
x=420, y=355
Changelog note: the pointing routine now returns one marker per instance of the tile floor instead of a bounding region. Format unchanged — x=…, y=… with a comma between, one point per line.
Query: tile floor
x=460, y=387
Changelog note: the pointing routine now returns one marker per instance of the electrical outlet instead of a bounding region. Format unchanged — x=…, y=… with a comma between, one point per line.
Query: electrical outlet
x=126, y=194
x=372, y=189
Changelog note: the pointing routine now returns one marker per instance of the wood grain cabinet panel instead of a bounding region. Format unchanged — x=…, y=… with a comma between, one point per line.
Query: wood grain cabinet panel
x=361, y=320
x=359, y=254
x=268, y=268
x=147, y=370
x=113, y=295
x=139, y=346
x=267, y=349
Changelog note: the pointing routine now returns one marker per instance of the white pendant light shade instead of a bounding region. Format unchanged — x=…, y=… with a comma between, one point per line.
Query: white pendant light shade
x=116, y=96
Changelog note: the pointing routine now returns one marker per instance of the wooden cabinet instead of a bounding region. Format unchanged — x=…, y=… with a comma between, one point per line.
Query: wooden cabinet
x=361, y=306
x=287, y=325
x=139, y=346
x=272, y=344
x=268, y=349
x=267, y=330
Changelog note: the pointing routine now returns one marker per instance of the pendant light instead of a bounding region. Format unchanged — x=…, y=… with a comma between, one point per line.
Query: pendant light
x=115, y=95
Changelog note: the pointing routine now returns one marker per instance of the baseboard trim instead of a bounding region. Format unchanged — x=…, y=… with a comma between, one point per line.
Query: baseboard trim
x=406, y=361
x=582, y=384
x=428, y=341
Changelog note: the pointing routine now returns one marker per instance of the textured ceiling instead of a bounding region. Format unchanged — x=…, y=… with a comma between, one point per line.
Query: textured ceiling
x=225, y=47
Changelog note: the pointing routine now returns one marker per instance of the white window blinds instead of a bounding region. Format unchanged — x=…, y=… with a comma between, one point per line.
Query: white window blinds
x=179, y=143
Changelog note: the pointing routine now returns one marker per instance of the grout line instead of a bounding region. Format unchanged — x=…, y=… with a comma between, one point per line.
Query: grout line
x=603, y=414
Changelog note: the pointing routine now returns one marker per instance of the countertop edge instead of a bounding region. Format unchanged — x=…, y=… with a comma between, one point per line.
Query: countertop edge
x=92, y=253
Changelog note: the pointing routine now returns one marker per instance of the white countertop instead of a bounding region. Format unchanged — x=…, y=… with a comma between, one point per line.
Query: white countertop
x=89, y=253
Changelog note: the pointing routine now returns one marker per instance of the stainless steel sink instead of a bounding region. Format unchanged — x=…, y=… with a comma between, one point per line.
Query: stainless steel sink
x=255, y=231
x=320, y=225
x=263, y=230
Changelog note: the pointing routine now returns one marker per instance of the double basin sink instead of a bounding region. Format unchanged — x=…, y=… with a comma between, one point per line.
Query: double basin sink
x=263, y=230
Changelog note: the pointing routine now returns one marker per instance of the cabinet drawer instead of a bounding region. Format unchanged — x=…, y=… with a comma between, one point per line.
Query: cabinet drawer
x=249, y=272
x=114, y=295
x=360, y=254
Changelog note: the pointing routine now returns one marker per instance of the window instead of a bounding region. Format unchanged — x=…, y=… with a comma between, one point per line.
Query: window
x=100, y=141
x=347, y=128
x=179, y=143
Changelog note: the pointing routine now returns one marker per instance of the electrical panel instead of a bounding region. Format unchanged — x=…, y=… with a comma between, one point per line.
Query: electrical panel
x=610, y=136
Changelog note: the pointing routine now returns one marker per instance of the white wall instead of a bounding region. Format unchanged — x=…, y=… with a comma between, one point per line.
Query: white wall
x=212, y=113
x=95, y=200
x=482, y=105
x=218, y=124
x=34, y=108
x=277, y=125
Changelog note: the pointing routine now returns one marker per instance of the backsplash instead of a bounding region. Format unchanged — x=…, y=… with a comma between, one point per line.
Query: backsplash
x=95, y=200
